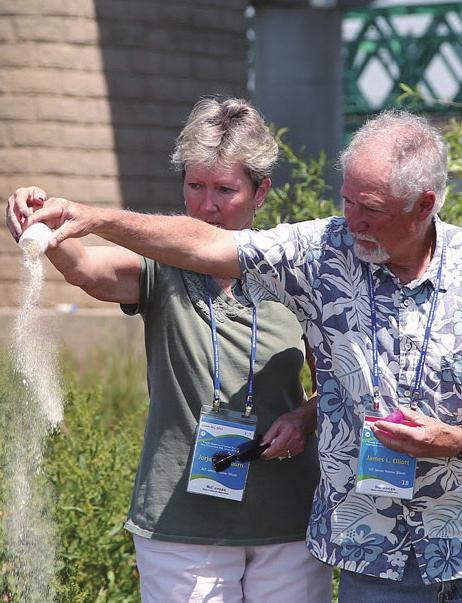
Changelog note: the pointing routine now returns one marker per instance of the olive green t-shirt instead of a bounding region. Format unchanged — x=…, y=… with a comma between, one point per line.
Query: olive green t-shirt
x=278, y=494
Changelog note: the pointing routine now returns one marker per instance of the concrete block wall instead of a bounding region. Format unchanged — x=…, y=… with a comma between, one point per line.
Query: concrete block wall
x=92, y=96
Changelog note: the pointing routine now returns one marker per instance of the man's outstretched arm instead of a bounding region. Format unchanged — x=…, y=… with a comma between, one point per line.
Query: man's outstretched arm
x=176, y=240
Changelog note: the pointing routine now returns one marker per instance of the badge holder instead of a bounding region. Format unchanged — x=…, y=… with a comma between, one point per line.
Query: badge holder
x=221, y=431
x=382, y=471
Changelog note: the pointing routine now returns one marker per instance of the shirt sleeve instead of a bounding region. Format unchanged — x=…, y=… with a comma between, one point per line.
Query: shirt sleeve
x=148, y=271
x=279, y=264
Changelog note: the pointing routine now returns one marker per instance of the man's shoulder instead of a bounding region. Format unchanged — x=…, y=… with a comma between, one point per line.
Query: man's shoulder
x=330, y=232
x=451, y=229
x=317, y=237
x=453, y=235
x=323, y=229
x=323, y=224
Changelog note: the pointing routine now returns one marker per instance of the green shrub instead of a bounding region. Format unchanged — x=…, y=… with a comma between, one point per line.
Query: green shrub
x=92, y=467
x=303, y=197
x=6, y=399
x=90, y=464
x=119, y=376
x=452, y=209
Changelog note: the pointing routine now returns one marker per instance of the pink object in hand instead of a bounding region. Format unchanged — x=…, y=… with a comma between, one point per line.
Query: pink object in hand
x=396, y=416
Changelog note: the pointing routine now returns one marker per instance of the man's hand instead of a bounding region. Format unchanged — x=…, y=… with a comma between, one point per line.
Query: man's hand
x=287, y=434
x=180, y=241
x=429, y=438
x=28, y=205
x=66, y=218
x=20, y=206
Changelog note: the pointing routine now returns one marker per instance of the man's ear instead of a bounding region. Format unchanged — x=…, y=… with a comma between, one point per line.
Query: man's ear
x=261, y=192
x=426, y=203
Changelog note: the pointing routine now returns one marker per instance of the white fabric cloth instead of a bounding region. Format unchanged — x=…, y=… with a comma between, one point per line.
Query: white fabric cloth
x=172, y=572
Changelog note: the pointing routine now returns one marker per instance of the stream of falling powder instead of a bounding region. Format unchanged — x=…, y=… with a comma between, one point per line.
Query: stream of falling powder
x=29, y=529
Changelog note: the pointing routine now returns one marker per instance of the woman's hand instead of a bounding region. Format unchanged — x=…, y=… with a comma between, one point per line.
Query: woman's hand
x=20, y=206
x=287, y=435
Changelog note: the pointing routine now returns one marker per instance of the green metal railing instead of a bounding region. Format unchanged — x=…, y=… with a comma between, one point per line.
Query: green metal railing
x=419, y=45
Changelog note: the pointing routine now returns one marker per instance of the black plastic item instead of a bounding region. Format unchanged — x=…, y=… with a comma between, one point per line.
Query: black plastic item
x=246, y=452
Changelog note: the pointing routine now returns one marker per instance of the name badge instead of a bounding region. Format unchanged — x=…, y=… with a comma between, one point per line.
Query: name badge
x=221, y=431
x=381, y=471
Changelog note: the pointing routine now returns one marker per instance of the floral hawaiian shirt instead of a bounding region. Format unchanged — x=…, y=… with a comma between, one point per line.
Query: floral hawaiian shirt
x=312, y=269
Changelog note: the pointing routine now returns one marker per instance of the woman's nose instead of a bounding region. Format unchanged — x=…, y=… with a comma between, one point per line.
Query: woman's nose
x=209, y=201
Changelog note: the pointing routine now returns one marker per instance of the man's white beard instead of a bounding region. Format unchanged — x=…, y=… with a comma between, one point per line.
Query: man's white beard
x=378, y=255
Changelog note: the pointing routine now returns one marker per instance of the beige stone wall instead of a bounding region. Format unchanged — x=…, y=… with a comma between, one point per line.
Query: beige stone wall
x=92, y=95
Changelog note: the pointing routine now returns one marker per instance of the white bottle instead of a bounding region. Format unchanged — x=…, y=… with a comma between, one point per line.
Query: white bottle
x=34, y=240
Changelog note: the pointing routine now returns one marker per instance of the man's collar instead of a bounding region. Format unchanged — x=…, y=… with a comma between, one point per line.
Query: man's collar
x=432, y=270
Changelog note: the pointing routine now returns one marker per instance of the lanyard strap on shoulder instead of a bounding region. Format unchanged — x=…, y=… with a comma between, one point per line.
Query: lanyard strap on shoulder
x=423, y=353
x=216, y=357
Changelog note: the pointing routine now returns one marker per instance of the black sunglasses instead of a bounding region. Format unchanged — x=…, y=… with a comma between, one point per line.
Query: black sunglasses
x=246, y=452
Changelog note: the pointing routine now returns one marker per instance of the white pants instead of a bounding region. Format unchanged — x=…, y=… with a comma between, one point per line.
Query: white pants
x=278, y=573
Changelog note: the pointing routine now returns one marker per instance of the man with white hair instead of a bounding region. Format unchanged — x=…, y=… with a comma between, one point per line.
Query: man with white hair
x=379, y=296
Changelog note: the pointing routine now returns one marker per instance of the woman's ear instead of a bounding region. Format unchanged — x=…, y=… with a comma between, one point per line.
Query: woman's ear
x=261, y=192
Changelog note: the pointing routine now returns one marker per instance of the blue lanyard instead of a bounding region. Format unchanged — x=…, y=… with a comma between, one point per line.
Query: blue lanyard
x=216, y=357
x=423, y=352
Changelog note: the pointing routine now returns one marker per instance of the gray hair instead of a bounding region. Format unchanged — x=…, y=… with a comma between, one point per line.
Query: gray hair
x=220, y=133
x=419, y=155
